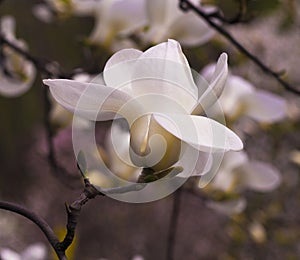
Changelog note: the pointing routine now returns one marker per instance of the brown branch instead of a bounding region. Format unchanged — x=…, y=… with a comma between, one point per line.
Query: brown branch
x=186, y=5
x=41, y=223
x=73, y=212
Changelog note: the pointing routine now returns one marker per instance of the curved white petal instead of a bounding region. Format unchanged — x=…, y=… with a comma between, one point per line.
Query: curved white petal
x=118, y=150
x=117, y=17
x=259, y=176
x=161, y=13
x=190, y=30
x=202, y=133
x=118, y=69
x=86, y=7
x=165, y=62
x=236, y=91
x=203, y=164
x=8, y=27
x=11, y=87
x=215, y=88
x=94, y=101
x=265, y=107
x=128, y=15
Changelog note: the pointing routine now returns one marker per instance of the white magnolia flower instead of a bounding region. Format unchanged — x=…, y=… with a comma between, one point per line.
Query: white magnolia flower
x=237, y=172
x=16, y=73
x=46, y=11
x=155, y=92
x=35, y=251
x=116, y=19
x=166, y=20
x=241, y=98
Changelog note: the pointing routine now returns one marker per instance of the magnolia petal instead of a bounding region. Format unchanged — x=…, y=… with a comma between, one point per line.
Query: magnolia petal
x=203, y=164
x=121, y=64
x=265, y=107
x=8, y=27
x=12, y=88
x=86, y=7
x=229, y=207
x=200, y=132
x=189, y=30
x=224, y=180
x=162, y=13
x=167, y=63
x=236, y=91
x=216, y=85
x=43, y=13
x=92, y=101
x=117, y=17
x=259, y=176
x=117, y=144
x=128, y=16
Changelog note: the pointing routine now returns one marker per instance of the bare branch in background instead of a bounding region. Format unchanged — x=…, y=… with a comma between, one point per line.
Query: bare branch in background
x=41, y=223
x=186, y=5
x=73, y=212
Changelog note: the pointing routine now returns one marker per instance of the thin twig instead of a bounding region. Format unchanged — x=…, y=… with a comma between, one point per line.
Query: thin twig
x=173, y=225
x=186, y=5
x=73, y=212
x=41, y=223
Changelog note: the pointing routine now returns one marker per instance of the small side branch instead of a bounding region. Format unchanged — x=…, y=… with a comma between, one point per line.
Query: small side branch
x=186, y=5
x=42, y=224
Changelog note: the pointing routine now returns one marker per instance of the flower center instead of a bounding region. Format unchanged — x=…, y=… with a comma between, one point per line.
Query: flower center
x=152, y=146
